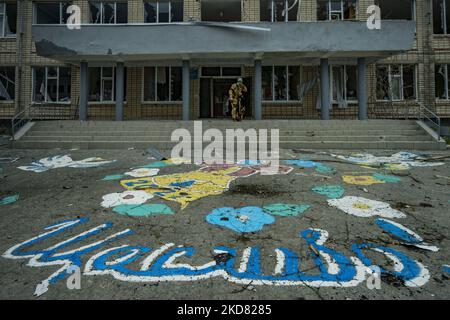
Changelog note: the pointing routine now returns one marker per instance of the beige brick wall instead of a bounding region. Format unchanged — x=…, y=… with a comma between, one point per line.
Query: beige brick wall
x=428, y=50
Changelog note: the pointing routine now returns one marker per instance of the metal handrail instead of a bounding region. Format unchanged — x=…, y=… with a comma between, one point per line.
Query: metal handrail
x=19, y=120
x=423, y=115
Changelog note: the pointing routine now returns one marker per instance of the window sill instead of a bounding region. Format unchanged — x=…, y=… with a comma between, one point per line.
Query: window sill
x=103, y=102
x=282, y=101
x=6, y=101
x=50, y=102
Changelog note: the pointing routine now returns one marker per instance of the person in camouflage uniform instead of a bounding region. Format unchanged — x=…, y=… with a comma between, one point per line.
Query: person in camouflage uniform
x=235, y=94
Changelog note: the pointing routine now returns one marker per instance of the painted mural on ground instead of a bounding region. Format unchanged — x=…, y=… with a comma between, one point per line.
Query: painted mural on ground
x=9, y=199
x=143, y=210
x=376, y=178
x=186, y=187
x=65, y=161
x=305, y=163
x=160, y=264
x=362, y=207
x=397, y=161
x=252, y=218
x=330, y=191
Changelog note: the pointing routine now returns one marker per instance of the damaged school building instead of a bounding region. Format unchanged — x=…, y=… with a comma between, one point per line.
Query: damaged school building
x=150, y=59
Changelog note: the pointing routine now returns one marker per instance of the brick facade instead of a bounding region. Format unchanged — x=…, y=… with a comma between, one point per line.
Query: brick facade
x=428, y=50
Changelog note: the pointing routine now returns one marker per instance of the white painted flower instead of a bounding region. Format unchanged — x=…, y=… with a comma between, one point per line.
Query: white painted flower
x=362, y=207
x=126, y=197
x=142, y=172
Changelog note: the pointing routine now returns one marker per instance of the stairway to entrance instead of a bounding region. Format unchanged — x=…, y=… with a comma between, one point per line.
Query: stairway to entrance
x=311, y=134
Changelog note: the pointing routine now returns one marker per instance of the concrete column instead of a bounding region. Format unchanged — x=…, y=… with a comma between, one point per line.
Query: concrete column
x=258, y=90
x=325, y=89
x=84, y=89
x=186, y=90
x=362, y=99
x=120, y=94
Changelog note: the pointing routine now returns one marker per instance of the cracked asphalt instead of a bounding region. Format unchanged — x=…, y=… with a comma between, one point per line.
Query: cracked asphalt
x=69, y=193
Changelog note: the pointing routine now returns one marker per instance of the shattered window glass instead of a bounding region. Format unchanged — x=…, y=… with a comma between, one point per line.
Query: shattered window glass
x=176, y=84
x=440, y=78
x=150, y=11
x=96, y=10
x=51, y=84
x=382, y=82
x=8, y=19
x=441, y=16
x=294, y=82
x=149, y=84
x=279, y=79
x=162, y=83
x=7, y=83
x=279, y=10
x=336, y=9
x=108, y=15
x=267, y=83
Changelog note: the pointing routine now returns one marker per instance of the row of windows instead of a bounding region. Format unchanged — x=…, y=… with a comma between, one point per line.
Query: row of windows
x=279, y=83
x=166, y=11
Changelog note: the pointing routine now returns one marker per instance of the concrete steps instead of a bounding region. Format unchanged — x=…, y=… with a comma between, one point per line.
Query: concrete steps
x=312, y=134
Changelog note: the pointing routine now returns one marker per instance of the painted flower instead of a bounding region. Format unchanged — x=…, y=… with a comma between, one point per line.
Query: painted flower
x=63, y=162
x=386, y=178
x=126, y=197
x=241, y=220
x=142, y=172
x=302, y=163
x=286, y=210
x=362, y=207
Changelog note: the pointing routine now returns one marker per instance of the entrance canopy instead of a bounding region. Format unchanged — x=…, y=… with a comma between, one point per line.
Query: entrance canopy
x=223, y=41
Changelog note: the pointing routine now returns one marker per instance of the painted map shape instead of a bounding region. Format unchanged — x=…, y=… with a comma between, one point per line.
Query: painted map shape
x=330, y=191
x=401, y=232
x=241, y=220
x=9, y=199
x=286, y=210
x=64, y=162
x=143, y=210
x=186, y=187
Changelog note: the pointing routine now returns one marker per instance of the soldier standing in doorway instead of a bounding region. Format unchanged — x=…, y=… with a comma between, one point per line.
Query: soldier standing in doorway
x=235, y=94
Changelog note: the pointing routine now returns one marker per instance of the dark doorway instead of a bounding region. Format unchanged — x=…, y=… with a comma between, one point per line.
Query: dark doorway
x=221, y=107
x=205, y=98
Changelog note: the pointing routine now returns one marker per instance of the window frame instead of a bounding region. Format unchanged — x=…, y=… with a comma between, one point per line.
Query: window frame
x=113, y=91
x=33, y=79
x=3, y=27
x=402, y=85
x=156, y=101
x=287, y=100
x=443, y=17
x=272, y=12
x=344, y=66
x=157, y=11
x=15, y=79
x=61, y=13
x=102, y=5
x=414, y=11
x=341, y=12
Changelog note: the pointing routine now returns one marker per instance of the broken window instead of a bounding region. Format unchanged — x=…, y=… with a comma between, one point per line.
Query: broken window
x=8, y=19
x=51, y=12
x=441, y=16
x=221, y=10
x=162, y=84
x=442, y=81
x=397, y=10
x=109, y=12
x=163, y=11
x=51, y=84
x=396, y=82
x=281, y=83
x=102, y=84
x=7, y=83
x=344, y=84
x=336, y=9
x=275, y=10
